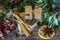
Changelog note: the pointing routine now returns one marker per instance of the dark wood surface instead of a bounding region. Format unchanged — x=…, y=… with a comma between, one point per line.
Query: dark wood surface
x=34, y=36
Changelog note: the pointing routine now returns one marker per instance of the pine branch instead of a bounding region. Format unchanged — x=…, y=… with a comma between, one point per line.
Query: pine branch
x=2, y=16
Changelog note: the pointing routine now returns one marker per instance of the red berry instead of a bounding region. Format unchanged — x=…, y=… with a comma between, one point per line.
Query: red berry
x=4, y=33
x=6, y=27
x=16, y=1
x=13, y=28
x=1, y=24
x=0, y=29
x=10, y=22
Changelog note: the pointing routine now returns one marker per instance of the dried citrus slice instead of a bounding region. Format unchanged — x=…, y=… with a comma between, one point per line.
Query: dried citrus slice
x=44, y=35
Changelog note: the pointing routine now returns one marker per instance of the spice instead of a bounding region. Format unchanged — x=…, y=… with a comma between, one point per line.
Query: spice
x=47, y=31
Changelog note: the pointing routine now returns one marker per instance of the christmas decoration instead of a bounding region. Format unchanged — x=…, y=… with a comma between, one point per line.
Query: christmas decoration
x=28, y=14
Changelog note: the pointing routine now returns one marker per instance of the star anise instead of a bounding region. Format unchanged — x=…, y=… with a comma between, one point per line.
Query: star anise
x=47, y=31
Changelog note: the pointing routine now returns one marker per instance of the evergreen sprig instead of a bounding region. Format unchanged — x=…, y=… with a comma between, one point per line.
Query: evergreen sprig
x=8, y=4
x=2, y=17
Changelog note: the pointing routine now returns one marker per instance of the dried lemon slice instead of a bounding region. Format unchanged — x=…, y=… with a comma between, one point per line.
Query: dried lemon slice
x=41, y=33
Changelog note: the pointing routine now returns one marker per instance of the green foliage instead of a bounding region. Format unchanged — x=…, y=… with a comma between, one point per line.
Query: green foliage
x=2, y=17
x=46, y=5
x=8, y=4
x=46, y=16
x=59, y=22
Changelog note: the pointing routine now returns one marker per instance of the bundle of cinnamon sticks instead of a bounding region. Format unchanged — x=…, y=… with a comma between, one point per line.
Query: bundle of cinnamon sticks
x=27, y=15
